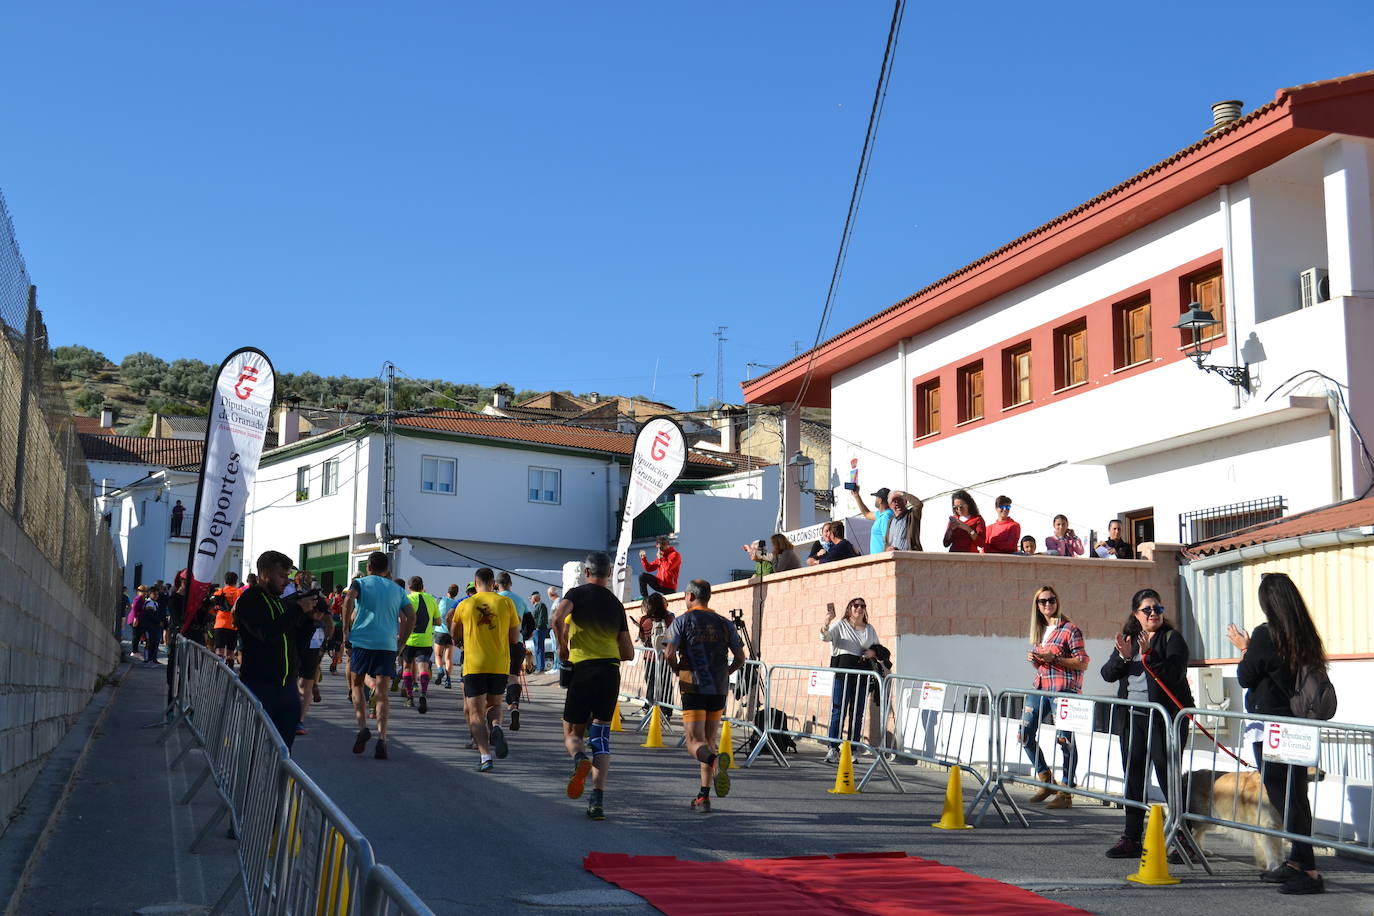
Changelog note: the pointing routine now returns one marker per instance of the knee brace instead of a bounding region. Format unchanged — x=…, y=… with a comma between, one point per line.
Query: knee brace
x=599, y=737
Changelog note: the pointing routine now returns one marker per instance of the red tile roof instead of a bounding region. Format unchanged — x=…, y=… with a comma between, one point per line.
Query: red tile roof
x=1279, y=124
x=564, y=436
x=142, y=450
x=87, y=425
x=1354, y=513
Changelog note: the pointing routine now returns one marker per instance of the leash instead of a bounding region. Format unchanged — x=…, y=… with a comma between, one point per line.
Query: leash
x=1191, y=718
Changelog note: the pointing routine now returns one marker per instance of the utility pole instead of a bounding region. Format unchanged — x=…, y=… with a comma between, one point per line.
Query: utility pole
x=720, y=362
x=696, y=390
x=389, y=460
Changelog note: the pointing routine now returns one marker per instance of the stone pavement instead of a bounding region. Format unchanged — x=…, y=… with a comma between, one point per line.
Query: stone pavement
x=509, y=841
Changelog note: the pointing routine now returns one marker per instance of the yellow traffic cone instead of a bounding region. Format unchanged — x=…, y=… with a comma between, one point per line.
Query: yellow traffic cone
x=655, y=738
x=952, y=817
x=727, y=744
x=1154, y=863
x=615, y=720
x=844, y=776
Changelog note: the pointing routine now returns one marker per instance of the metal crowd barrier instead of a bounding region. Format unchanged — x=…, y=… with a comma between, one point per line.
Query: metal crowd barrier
x=298, y=853
x=938, y=722
x=1097, y=731
x=800, y=705
x=1217, y=790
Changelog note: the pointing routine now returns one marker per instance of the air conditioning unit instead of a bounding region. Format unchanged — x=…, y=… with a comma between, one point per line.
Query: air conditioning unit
x=1315, y=286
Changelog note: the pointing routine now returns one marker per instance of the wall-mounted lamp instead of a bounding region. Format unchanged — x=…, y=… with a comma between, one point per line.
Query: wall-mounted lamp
x=806, y=469
x=1197, y=319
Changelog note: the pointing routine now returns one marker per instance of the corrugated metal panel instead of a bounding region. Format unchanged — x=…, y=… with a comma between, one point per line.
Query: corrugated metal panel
x=1211, y=599
x=1336, y=582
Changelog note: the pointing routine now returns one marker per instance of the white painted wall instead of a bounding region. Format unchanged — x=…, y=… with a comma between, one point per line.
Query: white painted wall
x=144, y=514
x=1277, y=228
x=274, y=520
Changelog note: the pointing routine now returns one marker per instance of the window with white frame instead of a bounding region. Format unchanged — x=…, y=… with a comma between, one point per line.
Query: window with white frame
x=302, y=483
x=546, y=485
x=330, y=485
x=437, y=475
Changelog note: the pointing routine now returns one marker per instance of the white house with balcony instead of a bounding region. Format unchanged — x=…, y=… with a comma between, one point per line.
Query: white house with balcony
x=468, y=490
x=1061, y=369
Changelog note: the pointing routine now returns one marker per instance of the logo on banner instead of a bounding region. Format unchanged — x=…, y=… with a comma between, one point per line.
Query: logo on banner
x=820, y=683
x=248, y=374
x=1299, y=745
x=659, y=450
x=1072, y=715
x=932, y=695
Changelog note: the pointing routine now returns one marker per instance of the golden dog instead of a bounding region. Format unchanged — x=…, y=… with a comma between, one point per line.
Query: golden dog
x=1237, y=797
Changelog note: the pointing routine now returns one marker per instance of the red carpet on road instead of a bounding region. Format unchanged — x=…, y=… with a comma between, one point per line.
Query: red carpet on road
x=885, y=883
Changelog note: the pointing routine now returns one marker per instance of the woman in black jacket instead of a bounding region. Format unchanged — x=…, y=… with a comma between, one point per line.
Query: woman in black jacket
x=1280, y=647
x=1149, y=663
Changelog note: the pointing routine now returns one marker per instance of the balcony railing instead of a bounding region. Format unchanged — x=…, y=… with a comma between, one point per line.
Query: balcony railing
x=1207, y=524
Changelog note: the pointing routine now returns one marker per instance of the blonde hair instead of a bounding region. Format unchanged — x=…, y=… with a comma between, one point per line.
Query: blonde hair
x=1037, y=621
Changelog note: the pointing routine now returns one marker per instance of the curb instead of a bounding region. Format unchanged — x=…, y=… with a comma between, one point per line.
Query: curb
x=22, y=844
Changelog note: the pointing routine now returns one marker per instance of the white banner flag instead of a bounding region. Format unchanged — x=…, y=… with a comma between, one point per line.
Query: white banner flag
x=660, y=453
x=240, y=410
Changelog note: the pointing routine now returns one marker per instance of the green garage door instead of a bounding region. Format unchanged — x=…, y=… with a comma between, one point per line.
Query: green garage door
x=328, y=560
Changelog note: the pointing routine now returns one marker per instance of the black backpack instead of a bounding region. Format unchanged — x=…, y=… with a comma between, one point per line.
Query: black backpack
x=1314, y=696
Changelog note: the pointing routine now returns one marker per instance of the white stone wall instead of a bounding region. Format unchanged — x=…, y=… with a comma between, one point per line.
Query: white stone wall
x=52, y=650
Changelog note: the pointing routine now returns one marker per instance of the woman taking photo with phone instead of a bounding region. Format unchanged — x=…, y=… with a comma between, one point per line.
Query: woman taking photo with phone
x=1149, y=664
x=1059, y=659
x=851, y=641
x=1271, y=658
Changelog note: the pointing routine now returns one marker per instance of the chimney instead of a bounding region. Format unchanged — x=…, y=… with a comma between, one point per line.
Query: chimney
x=1224, y=114
x=501, y=395
x=106, y=418
x=288, y=425
x=724, y=420
x=594, y=397
x=154, y=427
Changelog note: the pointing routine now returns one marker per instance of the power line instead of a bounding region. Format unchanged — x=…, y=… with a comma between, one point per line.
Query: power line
x=860, y=179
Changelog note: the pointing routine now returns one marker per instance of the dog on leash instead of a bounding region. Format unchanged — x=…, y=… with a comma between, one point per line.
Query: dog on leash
x=1238, y=797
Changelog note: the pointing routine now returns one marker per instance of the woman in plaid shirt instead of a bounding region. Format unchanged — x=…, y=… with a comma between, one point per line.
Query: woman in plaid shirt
x=1059, y=660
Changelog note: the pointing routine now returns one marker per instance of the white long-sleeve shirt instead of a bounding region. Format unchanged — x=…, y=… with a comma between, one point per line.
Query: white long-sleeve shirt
x=846, y=639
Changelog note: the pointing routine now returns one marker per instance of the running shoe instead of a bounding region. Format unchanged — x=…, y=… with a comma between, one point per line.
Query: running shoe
x=448, y=682
x=484, y=766
x=701, y=803
x=360, y=742
x=410, y=702
x=315, y=694
x=334, y=667
x=515, y=720
x=395, y=685
x=722, y=781
x=380, y=752
x=582, y=765
x=498, y=742
x=424, y=704
x=594, y=809
x=300, y=729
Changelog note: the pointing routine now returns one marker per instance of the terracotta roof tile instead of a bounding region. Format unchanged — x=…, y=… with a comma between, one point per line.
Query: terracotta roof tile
x=142, y=450
x=1336, y=517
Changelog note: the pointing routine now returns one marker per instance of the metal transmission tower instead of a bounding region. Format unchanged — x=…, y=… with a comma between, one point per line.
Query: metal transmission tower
x=389, y=459
x=696, y=390
x=720, y=337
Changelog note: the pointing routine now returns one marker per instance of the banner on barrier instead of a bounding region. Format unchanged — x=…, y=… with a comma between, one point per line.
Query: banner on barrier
x=1073, y=715
x=1299, y=745
x=820, y=683
x=932, y=695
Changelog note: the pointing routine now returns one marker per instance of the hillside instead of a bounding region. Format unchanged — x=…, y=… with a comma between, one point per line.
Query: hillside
x=142, y=384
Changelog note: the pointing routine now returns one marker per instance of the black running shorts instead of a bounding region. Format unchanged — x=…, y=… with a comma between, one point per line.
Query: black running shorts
x=593, y=692
x=226, y=638
x=310, y=664
x=480, y=685
x=417, y=654
x=709, y=702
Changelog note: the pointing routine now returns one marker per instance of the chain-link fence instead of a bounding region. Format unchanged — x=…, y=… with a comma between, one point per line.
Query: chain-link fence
x=44, y=482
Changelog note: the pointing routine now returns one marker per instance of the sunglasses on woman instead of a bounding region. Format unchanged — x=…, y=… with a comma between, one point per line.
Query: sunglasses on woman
x=1048, y=600
x=1156, y=611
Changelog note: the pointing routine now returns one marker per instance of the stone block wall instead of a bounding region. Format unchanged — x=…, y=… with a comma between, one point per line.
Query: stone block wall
x=52, y=651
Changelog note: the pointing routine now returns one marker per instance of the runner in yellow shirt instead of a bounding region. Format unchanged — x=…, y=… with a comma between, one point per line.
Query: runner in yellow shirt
x=489, y=626
x=419, y=648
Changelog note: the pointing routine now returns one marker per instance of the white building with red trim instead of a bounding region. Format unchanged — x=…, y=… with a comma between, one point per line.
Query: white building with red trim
x=1052, y=369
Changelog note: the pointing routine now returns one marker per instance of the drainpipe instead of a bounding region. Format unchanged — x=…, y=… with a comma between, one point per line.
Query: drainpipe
x=904, y=421
x=353, y=528
x=1334, y=433
x=1229, y=285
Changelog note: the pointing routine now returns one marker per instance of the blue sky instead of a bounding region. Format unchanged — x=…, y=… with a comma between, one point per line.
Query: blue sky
x=564, y=195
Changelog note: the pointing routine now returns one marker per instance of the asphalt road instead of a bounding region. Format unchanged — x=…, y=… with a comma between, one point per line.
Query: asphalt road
x=510, y=840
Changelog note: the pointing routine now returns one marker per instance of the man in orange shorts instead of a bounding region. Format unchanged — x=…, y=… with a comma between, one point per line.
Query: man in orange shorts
x=700, y=643
x=226, y=632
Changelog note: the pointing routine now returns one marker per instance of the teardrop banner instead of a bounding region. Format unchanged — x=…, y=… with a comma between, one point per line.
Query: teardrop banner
x=240, y=410
x=660, y=453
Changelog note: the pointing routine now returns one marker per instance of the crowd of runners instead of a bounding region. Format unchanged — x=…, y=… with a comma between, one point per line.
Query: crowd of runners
x=395, y=640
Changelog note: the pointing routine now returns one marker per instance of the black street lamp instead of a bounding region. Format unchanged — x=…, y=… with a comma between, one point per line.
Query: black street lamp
x=1197, y=319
